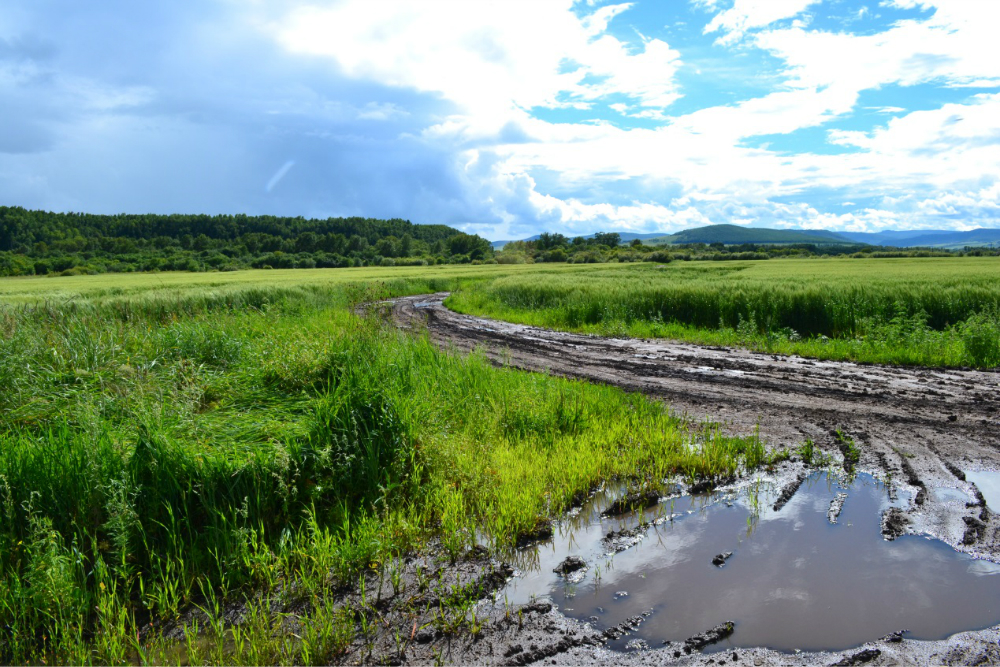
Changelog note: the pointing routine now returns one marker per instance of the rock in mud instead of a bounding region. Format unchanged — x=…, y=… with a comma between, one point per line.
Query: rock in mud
x=720, y=559
x=637, y=500
x=788, y=492
x=974, y=529
x=859, y=658
x=570, y=565
x=836, y=506
x=718, y=633
x=894, y=523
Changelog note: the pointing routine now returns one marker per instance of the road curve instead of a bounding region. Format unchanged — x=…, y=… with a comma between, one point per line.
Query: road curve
x=923, y=426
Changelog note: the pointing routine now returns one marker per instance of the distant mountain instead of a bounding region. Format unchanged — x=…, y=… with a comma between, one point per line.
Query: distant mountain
x=734, y=234
x=927, y=238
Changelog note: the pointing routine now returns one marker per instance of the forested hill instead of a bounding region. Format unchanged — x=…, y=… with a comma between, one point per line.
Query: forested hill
x=39, y=242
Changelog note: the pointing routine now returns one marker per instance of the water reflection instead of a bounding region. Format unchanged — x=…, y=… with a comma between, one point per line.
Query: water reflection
x=795, y=580
x=989, y=483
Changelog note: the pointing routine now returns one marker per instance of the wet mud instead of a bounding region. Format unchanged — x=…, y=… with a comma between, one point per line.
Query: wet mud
x=918, y=427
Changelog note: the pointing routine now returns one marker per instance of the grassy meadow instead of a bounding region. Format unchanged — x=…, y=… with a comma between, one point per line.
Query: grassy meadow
x=170, y=441
x=927, y=311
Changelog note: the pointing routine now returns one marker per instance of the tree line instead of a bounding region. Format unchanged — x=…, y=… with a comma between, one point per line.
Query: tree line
x=41, y=242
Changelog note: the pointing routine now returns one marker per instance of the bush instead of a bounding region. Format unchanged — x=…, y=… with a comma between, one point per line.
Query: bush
x=659, y=256
x=981, y=338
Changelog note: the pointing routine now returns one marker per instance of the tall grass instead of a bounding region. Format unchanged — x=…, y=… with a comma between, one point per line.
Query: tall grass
x=169, y=449
x=915, y=311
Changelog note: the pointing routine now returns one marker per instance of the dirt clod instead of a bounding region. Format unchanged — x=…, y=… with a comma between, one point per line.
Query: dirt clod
x=570, y=565
x=859, y=658
x=636, y=500
x=894, y=523
x=617, y=541
x=542, y=532
x=627, y=626
x=537, y=608
x=721, y=559
x=700, y=641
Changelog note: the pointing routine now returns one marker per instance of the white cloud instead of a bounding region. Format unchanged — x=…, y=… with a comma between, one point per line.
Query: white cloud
x=746, y=15
x=488, y=58
x=955, y=46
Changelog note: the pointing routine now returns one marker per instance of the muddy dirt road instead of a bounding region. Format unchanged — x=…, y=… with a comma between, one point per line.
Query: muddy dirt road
x=924, y=427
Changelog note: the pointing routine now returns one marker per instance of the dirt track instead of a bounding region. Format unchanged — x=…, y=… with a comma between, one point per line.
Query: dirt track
x=923, y=426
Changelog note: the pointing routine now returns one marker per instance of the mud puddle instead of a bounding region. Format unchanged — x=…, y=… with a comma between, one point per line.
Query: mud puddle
x=988, y=482
x=814, y=575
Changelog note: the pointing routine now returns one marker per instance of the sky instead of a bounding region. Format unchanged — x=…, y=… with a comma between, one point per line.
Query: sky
x=509, y=118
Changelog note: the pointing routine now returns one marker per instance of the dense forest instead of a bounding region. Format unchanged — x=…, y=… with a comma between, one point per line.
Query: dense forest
x=43, y=243
x=39, y=243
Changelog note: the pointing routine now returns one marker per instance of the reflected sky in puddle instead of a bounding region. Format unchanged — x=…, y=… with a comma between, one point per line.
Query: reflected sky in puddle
x=795, y=581
x=989, y=483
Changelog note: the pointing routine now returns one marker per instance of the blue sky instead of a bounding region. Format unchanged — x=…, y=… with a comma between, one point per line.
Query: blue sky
x=509, y=118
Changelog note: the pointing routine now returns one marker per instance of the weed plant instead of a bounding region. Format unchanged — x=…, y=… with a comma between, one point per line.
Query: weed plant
x=169, y=450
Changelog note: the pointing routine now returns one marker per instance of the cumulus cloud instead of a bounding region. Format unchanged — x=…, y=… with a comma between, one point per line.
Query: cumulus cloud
x=487, y=58
x=506, y=119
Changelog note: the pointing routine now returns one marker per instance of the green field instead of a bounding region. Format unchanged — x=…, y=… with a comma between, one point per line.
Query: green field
x=929, y=311
x=178, y=440
x=169, y=440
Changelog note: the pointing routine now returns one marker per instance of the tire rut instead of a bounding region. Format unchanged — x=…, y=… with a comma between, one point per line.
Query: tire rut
x=931, y=421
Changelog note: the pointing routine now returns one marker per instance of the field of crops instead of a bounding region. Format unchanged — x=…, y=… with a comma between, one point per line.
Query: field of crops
x=931, y=311
x=255, y=439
